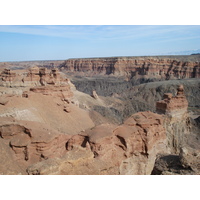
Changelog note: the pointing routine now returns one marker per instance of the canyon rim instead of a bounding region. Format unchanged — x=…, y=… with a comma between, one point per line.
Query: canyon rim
x=101, y=116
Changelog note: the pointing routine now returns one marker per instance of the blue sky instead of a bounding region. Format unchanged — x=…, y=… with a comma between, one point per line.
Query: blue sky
x=18, y=43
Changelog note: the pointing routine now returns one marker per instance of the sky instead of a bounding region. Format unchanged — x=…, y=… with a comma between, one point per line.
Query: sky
x=60, y=42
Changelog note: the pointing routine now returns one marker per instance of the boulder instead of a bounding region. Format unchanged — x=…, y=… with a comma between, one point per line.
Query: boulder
x=94, y=95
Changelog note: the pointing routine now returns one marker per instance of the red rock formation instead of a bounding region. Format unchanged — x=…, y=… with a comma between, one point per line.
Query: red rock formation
x=137, y=67
x=142, y=136
x=32, y=142
x=130, y=148
x=176, y=118
x=32, y=77
x=173, y=105
x=64, y=92
x=51, y=78
x=145, y=128
x=107, y=149
x=29, y=64
x=7, y=76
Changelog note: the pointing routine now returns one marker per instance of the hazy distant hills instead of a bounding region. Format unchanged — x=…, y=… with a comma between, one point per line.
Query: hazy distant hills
x=189, y=52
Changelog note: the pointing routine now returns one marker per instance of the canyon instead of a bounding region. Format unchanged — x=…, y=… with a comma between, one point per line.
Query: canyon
x=137, y=68
x=101, y=116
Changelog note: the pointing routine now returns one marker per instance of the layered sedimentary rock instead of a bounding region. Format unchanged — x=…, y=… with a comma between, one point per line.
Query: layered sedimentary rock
x=44, y=131
x=63, y=92
x=142, y=136
x=47, y=103
x=174, y=106
x=7, y=76
x=152, y=68
x=107, y=149
x=34, y=76
x=177, y=122
x=32, y=142
x=29, y=64
x=35, y=81
x=79, y=161
x=183, y=137
x=129, y=148
x=145, y=96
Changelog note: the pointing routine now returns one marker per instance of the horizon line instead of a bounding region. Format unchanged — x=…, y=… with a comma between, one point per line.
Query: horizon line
x=162, y=55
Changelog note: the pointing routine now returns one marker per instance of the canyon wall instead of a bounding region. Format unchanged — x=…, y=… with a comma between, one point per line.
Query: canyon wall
x=29, y=64
x=183, y=138
x=122, y=99
x=34, y=76
x=44, y=131
x=147, y=68
x=132, y=147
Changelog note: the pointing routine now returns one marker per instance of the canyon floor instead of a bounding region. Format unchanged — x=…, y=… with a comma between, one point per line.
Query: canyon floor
x=101, y=116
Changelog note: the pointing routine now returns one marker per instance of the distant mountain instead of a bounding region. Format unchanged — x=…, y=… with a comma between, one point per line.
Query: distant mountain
x=195, y=54
x=189, y=52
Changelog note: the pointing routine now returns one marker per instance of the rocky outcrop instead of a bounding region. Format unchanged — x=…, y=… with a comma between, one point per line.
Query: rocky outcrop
x=30, y=64
x=130, y=148
x=149, y=68
x=35, y=80
x=122, y=99
x=186, y=163
x=7, y=77
x=94, y=94
x=34, y=76
x=64, y=92
x=46, y=133
x=107, y=149
x=32, y=142
x=8, y=164
x=173, y=106
x=79, y=161
x=142, y=136
x=182, y=137
x=150, y=93
x=190, y=159
x=146, y=143
x=52, y=78
x=177, y=121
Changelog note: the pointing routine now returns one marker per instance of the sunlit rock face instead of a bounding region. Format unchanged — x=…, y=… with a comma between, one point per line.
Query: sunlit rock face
x=174, y=106
x=43, y=129
x=135, y=67
x=34, y=76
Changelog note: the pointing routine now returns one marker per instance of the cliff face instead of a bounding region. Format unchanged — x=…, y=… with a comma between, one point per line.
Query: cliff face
x=173, y=106
x=44, y=97
x=44, y=131
x=177, y=122
x=135, y=68
x=31, y=77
